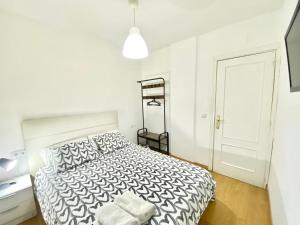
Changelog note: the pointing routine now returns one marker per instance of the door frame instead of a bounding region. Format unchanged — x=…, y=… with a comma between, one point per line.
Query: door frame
x=264, y=49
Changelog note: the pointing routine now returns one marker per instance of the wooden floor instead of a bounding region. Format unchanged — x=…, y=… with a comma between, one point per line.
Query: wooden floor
x=237, y=203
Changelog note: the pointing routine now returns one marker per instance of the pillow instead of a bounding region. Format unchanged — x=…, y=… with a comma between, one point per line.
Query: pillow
x=71, y=154
x=110, y=141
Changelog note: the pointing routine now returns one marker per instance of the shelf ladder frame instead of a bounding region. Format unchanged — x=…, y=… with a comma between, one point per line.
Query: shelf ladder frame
x=164, y=97
x=162, y=84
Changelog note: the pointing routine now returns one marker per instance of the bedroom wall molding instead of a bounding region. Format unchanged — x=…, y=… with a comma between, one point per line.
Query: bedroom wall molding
x=275, y=47
x=269, y=202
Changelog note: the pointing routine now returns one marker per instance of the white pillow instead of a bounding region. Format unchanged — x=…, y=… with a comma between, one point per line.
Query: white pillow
x=110, y=141
x=69, y=154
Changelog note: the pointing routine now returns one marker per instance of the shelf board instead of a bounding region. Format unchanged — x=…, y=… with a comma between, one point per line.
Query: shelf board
x=153, y=86
x=154, y=97
x=153, y=137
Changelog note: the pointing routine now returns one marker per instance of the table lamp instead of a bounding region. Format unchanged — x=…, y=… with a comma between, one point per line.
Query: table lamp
x=7, y=164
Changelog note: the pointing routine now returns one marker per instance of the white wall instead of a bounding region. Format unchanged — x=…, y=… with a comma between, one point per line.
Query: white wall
x=284, y=181
x=247, y=35
x=158, y=62
x=183, y=56
x=268, y=29
x=235, y=39
x=157, y=65
x=46, y=72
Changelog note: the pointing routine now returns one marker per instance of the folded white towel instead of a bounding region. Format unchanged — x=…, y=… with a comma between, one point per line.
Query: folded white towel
x=136, y=206
x=111, y=214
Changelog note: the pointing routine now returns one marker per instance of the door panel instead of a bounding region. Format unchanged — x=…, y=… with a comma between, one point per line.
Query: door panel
x=241, y=158
x=243, y=110
x=245, y=80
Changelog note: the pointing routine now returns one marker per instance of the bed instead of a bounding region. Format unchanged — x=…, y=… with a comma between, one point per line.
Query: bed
x=179, y=190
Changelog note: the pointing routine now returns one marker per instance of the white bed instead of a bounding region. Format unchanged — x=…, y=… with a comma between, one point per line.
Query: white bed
x=179, y=190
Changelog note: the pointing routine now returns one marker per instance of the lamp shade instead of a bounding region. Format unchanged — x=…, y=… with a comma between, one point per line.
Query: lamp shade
x=135, y=46
x=8, y=164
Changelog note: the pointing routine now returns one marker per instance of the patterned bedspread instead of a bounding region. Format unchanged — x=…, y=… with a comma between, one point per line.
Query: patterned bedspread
x=180, y=191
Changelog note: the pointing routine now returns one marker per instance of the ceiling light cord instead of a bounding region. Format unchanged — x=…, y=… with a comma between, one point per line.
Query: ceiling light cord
x=135, y=46
x=133, y=16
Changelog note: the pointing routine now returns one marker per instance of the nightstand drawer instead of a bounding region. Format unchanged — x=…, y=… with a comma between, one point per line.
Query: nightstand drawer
x=14, y=199
x=17, y=211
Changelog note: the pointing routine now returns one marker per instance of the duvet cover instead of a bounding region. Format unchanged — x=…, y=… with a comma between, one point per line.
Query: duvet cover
x=179, y=190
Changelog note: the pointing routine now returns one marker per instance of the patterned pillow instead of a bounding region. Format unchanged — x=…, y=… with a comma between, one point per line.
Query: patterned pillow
x=71, y=154
x=110, y=141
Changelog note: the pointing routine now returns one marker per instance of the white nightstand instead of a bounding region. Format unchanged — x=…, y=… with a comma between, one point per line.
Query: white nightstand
x=17, y=202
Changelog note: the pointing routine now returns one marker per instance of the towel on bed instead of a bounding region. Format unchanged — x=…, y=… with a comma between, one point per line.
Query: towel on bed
x=136, y=206
x=112, y=214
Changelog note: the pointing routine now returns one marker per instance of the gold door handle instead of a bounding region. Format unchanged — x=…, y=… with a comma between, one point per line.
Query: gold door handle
x=218, y=121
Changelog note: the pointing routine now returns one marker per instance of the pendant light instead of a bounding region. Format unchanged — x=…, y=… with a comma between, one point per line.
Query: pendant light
x=135, y=46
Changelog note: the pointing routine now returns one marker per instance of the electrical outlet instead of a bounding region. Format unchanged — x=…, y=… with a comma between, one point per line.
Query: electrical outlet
x=18, y=153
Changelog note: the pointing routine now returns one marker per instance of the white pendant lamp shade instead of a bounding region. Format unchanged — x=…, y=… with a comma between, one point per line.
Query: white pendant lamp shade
x=135, y=46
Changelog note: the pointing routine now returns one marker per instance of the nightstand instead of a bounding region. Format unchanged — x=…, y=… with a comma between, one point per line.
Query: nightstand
x=16, y=201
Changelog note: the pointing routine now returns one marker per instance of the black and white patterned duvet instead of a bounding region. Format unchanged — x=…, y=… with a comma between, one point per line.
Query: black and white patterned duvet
x=180, y=191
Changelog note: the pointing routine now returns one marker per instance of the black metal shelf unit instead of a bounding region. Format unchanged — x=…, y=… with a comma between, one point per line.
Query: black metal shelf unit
x=157, y=142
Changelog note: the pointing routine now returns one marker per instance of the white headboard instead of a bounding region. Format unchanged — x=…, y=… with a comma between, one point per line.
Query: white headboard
x=43, y=132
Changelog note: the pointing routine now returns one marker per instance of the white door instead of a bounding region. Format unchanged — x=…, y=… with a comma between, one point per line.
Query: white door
x=242, y=120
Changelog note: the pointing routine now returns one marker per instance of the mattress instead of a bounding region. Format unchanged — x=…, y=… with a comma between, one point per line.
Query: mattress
x=179, y=190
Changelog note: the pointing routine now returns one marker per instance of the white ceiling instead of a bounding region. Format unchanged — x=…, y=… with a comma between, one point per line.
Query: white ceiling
x=161, y=21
